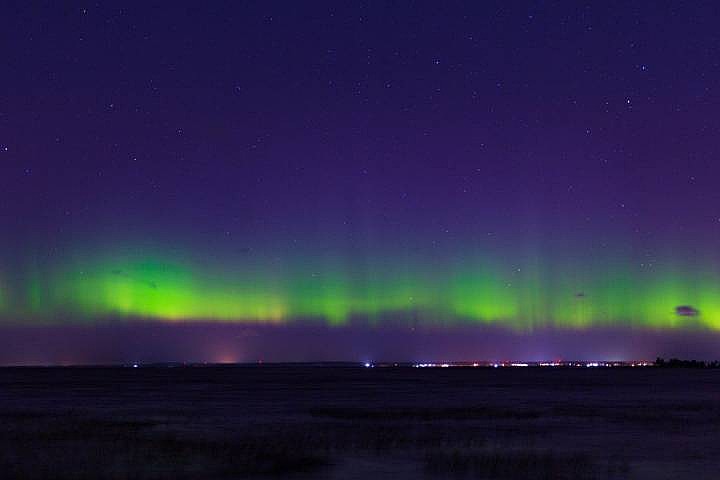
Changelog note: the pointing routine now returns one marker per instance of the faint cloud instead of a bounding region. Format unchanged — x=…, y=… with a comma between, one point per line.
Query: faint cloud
x=687, y=311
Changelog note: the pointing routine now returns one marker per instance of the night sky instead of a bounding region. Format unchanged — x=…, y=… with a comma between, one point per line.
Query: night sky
x=359, y=181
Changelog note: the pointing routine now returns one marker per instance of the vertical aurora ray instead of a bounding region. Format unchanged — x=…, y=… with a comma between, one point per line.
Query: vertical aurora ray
x=3, y=295
x=482, y=293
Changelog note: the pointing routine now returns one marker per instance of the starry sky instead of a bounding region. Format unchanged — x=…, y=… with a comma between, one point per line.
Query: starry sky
x=359, y=180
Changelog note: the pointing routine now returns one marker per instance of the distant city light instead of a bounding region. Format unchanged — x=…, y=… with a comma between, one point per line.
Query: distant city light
x=554, y=364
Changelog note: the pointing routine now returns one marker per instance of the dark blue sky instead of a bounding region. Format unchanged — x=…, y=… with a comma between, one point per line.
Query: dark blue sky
x=566, y=133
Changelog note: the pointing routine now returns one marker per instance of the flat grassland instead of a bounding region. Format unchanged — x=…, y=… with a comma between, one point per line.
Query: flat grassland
x=341, y=422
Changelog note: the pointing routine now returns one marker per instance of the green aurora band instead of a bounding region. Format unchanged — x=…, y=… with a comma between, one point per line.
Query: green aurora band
x=521, y=297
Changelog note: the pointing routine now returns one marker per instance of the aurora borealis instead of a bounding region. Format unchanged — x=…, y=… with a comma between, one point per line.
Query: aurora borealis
x=520, y=296
x=362, y=172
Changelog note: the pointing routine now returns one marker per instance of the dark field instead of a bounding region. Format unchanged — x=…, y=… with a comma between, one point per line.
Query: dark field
x=356, y=423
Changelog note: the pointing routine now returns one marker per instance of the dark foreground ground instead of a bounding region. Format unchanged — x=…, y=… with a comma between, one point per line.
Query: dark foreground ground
x=358, y=423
